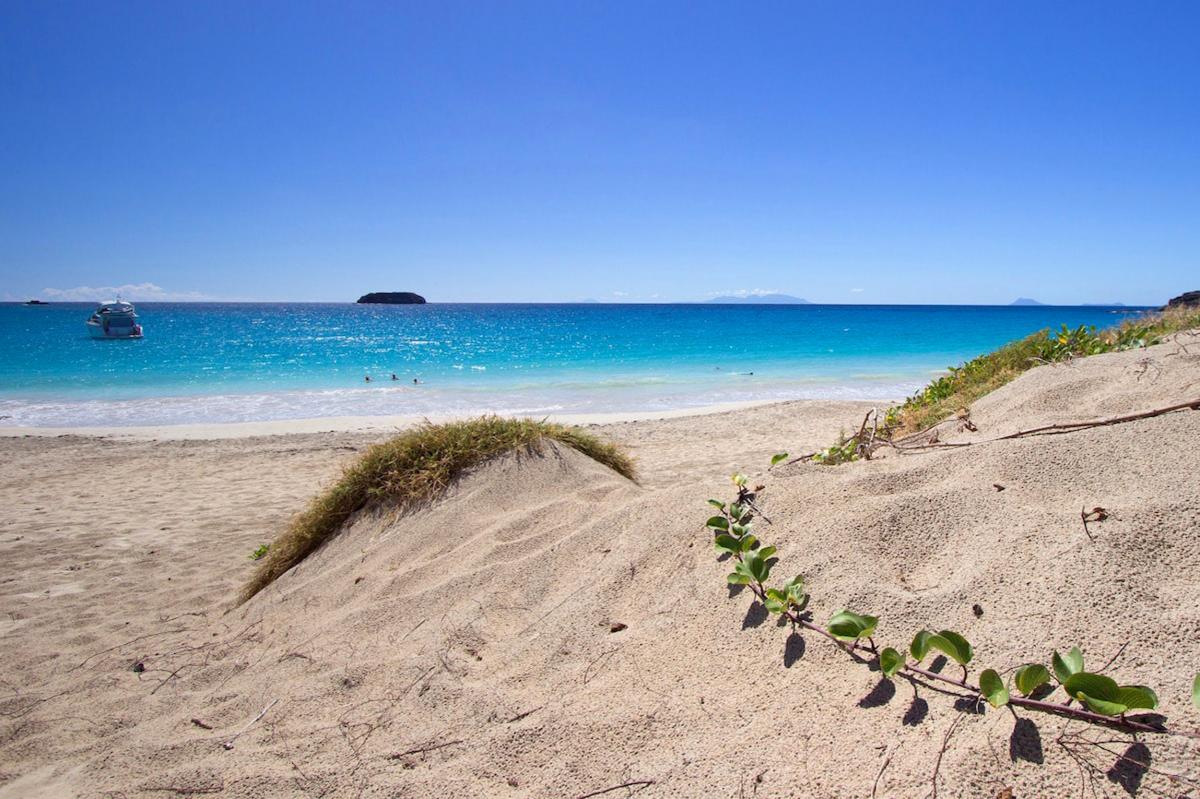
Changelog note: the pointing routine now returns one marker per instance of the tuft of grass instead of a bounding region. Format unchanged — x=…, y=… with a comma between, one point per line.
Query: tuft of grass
x=967, y=383
x=415, y=467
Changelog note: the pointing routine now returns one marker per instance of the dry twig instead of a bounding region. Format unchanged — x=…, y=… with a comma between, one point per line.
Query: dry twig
x=639, y=784
x=229, y=744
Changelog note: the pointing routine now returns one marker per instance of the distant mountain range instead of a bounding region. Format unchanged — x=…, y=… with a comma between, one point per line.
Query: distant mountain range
x=760, y=299
x=1027, y=301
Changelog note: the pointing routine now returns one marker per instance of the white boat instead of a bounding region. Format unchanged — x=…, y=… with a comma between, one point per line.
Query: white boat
x=116, y=319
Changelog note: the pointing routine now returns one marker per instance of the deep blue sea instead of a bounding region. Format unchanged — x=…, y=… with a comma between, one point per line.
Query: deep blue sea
x=248, y=362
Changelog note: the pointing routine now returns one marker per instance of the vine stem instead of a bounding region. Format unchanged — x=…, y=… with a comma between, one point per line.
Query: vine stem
x=913, y=671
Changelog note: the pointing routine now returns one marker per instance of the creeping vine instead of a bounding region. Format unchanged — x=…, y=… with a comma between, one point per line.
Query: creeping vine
x=1092, y=697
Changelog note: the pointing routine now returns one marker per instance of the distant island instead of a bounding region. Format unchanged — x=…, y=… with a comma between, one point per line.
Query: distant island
x=392, y=298
x=1025, y=301
x=760, y=299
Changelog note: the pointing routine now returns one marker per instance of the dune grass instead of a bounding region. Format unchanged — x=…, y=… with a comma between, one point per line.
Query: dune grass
x=967, y=383
x=414, y=467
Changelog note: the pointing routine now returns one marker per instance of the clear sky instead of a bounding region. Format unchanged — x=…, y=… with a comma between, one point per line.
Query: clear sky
x=501, y=151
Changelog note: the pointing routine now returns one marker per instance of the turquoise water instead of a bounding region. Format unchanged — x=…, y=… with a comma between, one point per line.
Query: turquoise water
x=248, y=362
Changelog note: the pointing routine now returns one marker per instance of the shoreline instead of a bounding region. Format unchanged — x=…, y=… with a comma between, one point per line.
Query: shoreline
x=202, y=431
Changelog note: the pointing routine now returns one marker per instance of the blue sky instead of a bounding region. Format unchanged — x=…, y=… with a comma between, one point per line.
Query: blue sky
x=843, y=152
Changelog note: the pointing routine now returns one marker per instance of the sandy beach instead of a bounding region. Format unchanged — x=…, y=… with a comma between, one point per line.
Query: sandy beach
x=552, y=629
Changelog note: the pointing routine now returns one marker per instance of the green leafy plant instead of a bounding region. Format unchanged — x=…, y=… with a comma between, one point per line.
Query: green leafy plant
x=844, y=451
x=1102, y=700
x=260, y=551
x=791, y=595
x=753, y=568
x=777, y=459
x=1196, y=690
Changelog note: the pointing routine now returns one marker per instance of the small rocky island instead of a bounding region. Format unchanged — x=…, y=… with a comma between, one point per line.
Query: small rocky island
x=1188, y=299
x=392, y=298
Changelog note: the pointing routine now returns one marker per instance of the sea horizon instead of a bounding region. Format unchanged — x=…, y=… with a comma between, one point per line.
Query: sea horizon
x=222, y=362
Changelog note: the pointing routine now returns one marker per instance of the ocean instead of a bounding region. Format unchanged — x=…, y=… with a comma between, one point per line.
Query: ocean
x=230, y=362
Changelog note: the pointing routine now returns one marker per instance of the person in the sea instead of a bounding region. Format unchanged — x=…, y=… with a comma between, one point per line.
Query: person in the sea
x=416, y=381
x=366, y=378
x=394, y=376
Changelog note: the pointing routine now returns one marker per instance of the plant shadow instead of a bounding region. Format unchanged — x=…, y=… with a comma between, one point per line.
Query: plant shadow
x=918, y=709
x=756, y=614
x=1131, y=767
x=880, y=695
x=1043, y=691
x=1026, y=742
x=735, y=589
x=793, y=649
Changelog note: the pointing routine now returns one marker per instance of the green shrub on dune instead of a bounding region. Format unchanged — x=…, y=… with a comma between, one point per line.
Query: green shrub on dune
x=979, y=376
x=417, y=466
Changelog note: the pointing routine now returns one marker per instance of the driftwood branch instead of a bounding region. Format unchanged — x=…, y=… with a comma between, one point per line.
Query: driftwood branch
x=903, y=445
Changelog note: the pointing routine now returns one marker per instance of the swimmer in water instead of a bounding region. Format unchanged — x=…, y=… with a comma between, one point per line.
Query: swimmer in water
x=366, y=378
x=416, y=381
x=394, y=376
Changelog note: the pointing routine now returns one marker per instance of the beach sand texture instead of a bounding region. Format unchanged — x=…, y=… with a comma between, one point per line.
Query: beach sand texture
x=468, y=648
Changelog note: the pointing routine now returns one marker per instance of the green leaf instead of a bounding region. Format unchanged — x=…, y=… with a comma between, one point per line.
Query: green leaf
x=1102, y=706
x=758, y=564
x=717, y=523
x=724, y=542
x=737, y=511
x=795, y=592
x=920, y=645
x=1098, y=686
x=890, y=662
x=716, y=503
x=1137, y=697
x=1066, y=665
x=1030, y=677
x=740, y=480
x=776, y=600
x=848, y=626
x=1098, y=692
x=782, y=456
x=953, y=645
x=737, y=578
x=1196, y=690
x=993, y=688
x=747, y=542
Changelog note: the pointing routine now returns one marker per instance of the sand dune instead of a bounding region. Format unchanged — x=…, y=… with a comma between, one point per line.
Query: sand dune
x=552, y=629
